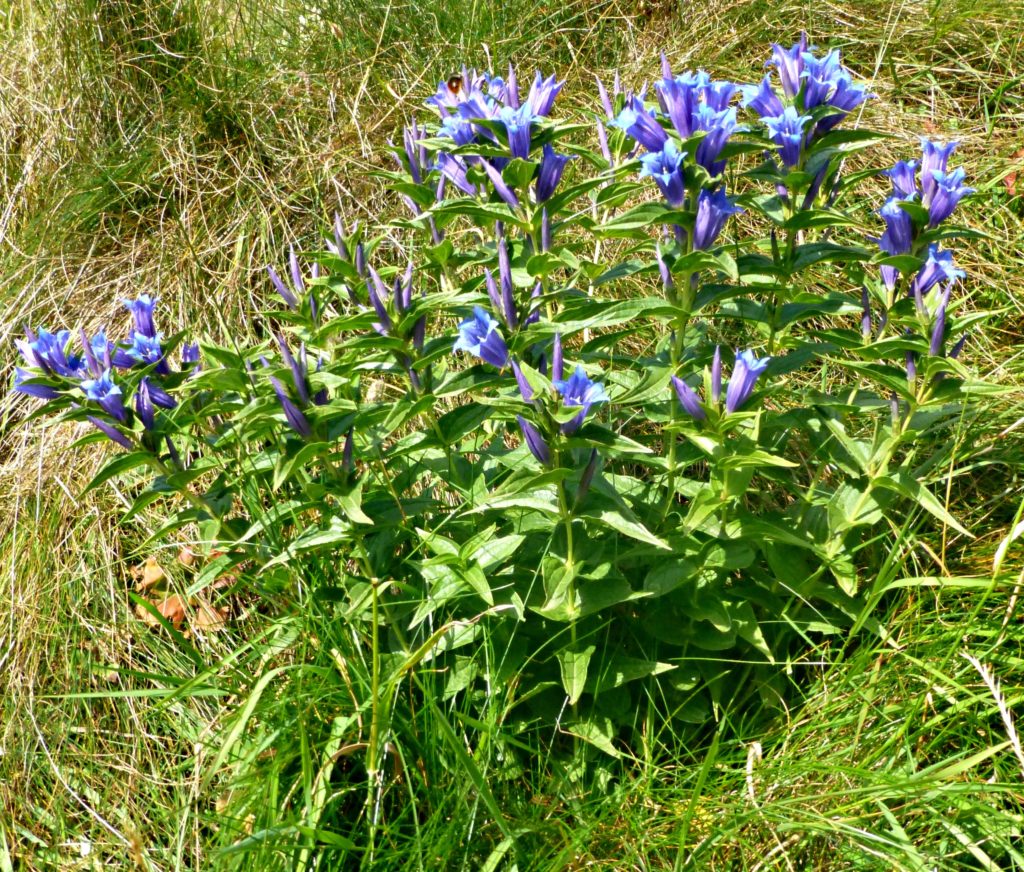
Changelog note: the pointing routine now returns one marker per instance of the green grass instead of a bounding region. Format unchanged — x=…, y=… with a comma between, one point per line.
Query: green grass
x=177, y=147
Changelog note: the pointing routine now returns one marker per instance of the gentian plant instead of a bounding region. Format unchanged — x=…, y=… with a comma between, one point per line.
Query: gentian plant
x=629, y=532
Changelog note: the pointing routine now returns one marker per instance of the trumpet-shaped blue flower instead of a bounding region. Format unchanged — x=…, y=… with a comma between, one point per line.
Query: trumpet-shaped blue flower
x=534, y=441
x=480, y=336
x=579, y=390
x=550, y=173
x=790, y=64
x=517, y=124
x=820, y=77
x=939, y=267
x=787, y=132
x=904, y=182
x=642, y=125
x=762, y=99
x=688, y=399
x=745, y=373
x=719, y=126
x=106, y=394
x=142, y=314
x=143, y=351
x=947, y=193
x=713, y=209
x=666, y=168
x=934, y=156
x=42, y=392
x=48, y=352
x=543, y=91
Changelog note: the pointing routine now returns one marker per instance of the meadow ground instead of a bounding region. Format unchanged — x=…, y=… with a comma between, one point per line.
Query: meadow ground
x=177, y=147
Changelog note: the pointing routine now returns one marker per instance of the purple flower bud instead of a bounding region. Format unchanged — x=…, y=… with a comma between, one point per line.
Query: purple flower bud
x=865, y=318
x=142, y=314
x=293, y=263
x=360, y=263
x=550, y=174
x=688, y=399
x=534, y=315
x=557, y=365
x=298, y=370
x=111, y=432
x=606, y=102
x=666, y=275
x=602, y=141
x=42, y=392
x=716, y=376
x=512, y=88
x=292, y=414
x=911, y=367
x=377, y=293
x=712, y=212
x=508, y=304
x=745, y=373
x=587, y=477
x=545, y=231
x=346, y=452
x=790, y=65
x=144, y=405
x=542, y=94
x=935, y=156
x=340, y=248
x=524, y=386
x=502, y=189
x=534, y=441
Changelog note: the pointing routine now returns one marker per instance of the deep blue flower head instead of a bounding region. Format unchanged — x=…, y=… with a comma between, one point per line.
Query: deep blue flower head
x=718, y=94
x=899, y=228
x=142, y=314
x=480, y=336
x=679, y=98
x=787, y=132
x=790, y=64
x=947, y=193
x=143, y=351
x=719, y=126
x=454, y=169
x=42, y=392
x=471, y=85
x=103, y=391
x=534, y=441
x=745, y=373
x=579, y=390
x=934, y=156
x=820, y=77
x=48, y=352
x=904, y=183
x=642, y=125
x=713, y=209
x=845, y=97
x=762, y=99
x=458, y=129
x=144, y=405
x=939, y=267
x=666, y=168
x=542, y=94
x=517, y=125
x=292, y=413
x=688, y=399
x=550, y=173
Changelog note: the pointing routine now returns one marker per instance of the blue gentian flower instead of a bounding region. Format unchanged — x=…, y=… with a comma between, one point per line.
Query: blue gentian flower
x=480, y=336
x=642, y=125
x=762, y=99
x=42, y=392
x=502, y=189
x=716, y=376
x=939, y=267
x=745, y=373
x=666, y=168
x=820, y=76
x=471, y=86
x=679, y=100
x=719, y=126
x=939, y=329
x=579, y=390
x=550, y=173
x=112, y=433
x=717, y=94
x=144, y=405
x=787, y=132
x=143, y=351
x=899, y=228
x=292, y=413
x=935, y=156
x=688, y=399
x=904, y=183
x=142, y=314
x=790, y=64
x=846, y=96
x=534, y=441
x=713, y=209
x=517, y=124
x=103, y=391
x=947, y=193
x=454, y=169
x=542, y=95
x=48, y=352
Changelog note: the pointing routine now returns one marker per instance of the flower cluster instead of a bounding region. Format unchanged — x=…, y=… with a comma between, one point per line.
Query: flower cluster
x=746, y=371
x=817, y=94
x=55, y=371
x=479, y=113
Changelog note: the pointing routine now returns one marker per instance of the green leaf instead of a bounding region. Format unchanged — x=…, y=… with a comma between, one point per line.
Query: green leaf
x=597, y=731
x=573, y=664
x=903, y=483
x=620, y=669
